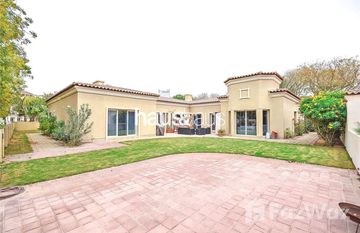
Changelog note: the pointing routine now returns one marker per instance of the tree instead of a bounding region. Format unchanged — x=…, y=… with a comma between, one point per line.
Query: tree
x=338, y=74
x=47, y=95
x=33, y=106
x=179, y=97
x=204, y=96
x=14, y=35
x=327, y=112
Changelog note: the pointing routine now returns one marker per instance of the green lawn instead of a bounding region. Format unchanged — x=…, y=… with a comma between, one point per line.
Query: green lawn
x=19, y=143
x=20, y=173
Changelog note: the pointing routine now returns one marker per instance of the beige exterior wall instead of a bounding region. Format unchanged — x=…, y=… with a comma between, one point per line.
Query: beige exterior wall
x=21, y=126
x=280, y=105
x=205, y=110
x=282, y=113
x=167, y=107
x=59, y=104
x=99, y=102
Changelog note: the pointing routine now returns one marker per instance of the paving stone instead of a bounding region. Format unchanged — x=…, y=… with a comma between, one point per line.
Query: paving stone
x=188, y=193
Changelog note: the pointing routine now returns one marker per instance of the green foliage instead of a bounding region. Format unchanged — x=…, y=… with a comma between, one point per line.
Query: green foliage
x=308, y=125
x=14, y=35
x=77, y=126
x=37, y=170
x=2, y=123
x=19, y=143
x=288, y=133
x=33, y=106
x=59, y=131
x=179, y=97
x=73, y=131
x=300, y=128
x=47, y=123
x=327, y=113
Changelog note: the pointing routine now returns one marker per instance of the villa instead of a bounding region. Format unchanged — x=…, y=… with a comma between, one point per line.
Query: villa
x=254, y=105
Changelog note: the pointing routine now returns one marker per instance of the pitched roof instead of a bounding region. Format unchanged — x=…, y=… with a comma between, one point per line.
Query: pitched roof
x=254, y=75
x=205, y=101
x=172, y=100
x=284, y=90
x=104, y=87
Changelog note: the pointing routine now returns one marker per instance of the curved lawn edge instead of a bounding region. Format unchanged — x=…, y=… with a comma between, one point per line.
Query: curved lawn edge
x=33, y=171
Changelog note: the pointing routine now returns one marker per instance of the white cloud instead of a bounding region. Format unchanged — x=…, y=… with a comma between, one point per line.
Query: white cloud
x=187, y=46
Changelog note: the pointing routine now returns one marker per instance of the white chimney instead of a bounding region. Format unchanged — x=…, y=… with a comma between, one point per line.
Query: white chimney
x=188, y=97
x=99, y=82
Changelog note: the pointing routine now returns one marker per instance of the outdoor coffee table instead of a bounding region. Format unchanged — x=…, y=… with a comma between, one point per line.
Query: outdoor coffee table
x=352, y=211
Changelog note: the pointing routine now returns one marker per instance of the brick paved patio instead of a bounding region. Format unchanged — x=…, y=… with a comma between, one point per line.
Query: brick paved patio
x=44, y=146
x=186, y=193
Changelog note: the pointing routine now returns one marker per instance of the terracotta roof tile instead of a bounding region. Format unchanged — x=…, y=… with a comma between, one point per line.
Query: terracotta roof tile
x=104, y=87
x=222, y=97
x=284, y=90
x=354, y=92
x=203, y=101
x=113, y=88
x=254, y=75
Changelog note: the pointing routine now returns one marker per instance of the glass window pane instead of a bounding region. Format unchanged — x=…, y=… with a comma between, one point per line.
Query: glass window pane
x=111, y=122
x=131, y=123
x=122, y=122
x=240, y=123
x=251, y=123
x=265, y=122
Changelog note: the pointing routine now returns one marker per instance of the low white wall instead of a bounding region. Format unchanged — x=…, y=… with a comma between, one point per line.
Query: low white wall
x=352, y=143
x=352, y=139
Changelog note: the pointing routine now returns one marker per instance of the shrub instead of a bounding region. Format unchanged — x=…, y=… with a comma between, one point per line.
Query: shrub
x=327, y=113
x=2, y=123
x=308, y=125
x=299, y=128
x=47, y=123
x=288, y=133
x=76, y=127
x=59, y=132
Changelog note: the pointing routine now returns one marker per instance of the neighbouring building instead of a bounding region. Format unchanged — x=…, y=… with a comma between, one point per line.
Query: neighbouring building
x=253, y=106
x=15, y=116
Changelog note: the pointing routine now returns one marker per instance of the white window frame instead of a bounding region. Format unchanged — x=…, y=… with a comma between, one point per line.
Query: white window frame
x=137, y=128
x=244, y=97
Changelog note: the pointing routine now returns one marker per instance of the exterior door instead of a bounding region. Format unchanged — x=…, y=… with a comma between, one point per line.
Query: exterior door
x=246, y=123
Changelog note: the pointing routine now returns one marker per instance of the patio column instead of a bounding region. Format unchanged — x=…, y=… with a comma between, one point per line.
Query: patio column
x=232, y=122
x=259, y=122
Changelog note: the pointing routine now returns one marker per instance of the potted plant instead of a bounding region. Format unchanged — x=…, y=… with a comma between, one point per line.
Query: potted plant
x=169, y=129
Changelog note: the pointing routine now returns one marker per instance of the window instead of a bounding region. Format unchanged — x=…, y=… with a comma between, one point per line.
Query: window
x=121, y=122
x=246, y=123
x=244, y=93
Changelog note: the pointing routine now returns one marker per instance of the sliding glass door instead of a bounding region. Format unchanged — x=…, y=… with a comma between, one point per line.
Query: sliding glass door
x=112, y=121
x=246, y=123
x=121, y=122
